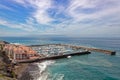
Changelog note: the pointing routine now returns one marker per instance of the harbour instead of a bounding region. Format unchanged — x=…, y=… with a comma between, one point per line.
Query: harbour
x=53, y=57
x=75, y=47
x=70, y=66
x=49, y=52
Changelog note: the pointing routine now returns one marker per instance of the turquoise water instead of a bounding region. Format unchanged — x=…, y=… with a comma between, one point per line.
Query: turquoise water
x=95, y=66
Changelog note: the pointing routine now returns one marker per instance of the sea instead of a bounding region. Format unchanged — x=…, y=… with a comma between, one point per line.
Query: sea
x=95, y=66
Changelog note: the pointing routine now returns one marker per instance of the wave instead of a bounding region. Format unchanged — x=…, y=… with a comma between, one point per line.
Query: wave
x=37, y=71
x=43, y=65
x=58, y=76
x=43, y=75
x=16, y=43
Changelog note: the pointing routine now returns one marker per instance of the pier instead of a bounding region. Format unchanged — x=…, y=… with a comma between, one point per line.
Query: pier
x=80, y=48
x=75, y=50
x=53, y=57
x=37, y=53
x=92, y=49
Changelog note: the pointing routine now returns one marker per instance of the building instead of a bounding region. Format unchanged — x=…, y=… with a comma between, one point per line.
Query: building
x=20, y=52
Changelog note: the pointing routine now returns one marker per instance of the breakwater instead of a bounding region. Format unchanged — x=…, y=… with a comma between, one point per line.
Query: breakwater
x=53, y=57
x=80, y=47
x=86, y=50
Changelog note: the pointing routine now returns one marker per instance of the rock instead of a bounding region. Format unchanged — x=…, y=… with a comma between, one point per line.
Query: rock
x=4, y=42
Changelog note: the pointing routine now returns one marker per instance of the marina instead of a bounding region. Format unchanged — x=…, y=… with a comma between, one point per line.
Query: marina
x=53, y=57
x=58, y=51
x=36, y=53
x=59, y=40
x=77, y=62
x=67, y=47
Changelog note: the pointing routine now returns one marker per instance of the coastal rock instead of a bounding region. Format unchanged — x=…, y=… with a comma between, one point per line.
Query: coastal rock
x=4, y=42
x=31, y=73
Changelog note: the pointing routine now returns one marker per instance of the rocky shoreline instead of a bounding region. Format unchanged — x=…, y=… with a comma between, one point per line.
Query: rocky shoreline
x=29, y=73
x=10, y=71
x=37, y=71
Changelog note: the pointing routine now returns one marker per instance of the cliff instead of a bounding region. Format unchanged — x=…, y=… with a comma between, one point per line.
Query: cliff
x=6, y=72
x=9, y=71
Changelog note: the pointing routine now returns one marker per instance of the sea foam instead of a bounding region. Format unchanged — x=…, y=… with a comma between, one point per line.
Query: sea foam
x=42, y=69
x=16, y=43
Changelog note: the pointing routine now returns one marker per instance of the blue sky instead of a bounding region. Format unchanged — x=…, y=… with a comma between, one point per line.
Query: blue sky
x=73, y=18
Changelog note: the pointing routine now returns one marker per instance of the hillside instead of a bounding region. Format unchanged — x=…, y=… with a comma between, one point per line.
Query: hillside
x=6, y=72
x=9, y=71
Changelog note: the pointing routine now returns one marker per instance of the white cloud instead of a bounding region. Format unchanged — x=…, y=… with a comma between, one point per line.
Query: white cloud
x=5, y=7
x=21, y=26
x=106, y=15
x=103, y=8
x=72, y=26
x=41, y=7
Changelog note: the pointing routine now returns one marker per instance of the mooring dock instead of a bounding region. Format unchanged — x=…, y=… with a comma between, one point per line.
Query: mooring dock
x=91, y=49
x=53, y=57
x=59, y=55
x=80, y=47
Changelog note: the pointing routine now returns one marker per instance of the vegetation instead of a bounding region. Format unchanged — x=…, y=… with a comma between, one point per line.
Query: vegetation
x=6, y=72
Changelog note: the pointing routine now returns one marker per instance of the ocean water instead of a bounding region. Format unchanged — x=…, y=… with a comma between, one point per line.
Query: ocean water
x=95, y=66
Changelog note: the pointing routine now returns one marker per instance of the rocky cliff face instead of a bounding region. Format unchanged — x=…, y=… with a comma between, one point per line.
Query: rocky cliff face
x=30, y=73
x=6, y=72
x=6, y=68
x=9, y=71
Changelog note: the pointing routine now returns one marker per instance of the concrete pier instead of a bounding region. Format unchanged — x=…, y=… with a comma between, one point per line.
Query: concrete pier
x=53, y=57
x=81, y=47
x=86, y=50
x=92, y=49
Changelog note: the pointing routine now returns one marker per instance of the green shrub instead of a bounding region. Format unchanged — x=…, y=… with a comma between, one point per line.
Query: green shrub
x=13, y=74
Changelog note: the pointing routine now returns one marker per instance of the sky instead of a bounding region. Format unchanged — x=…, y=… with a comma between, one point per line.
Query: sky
x=72, y=18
